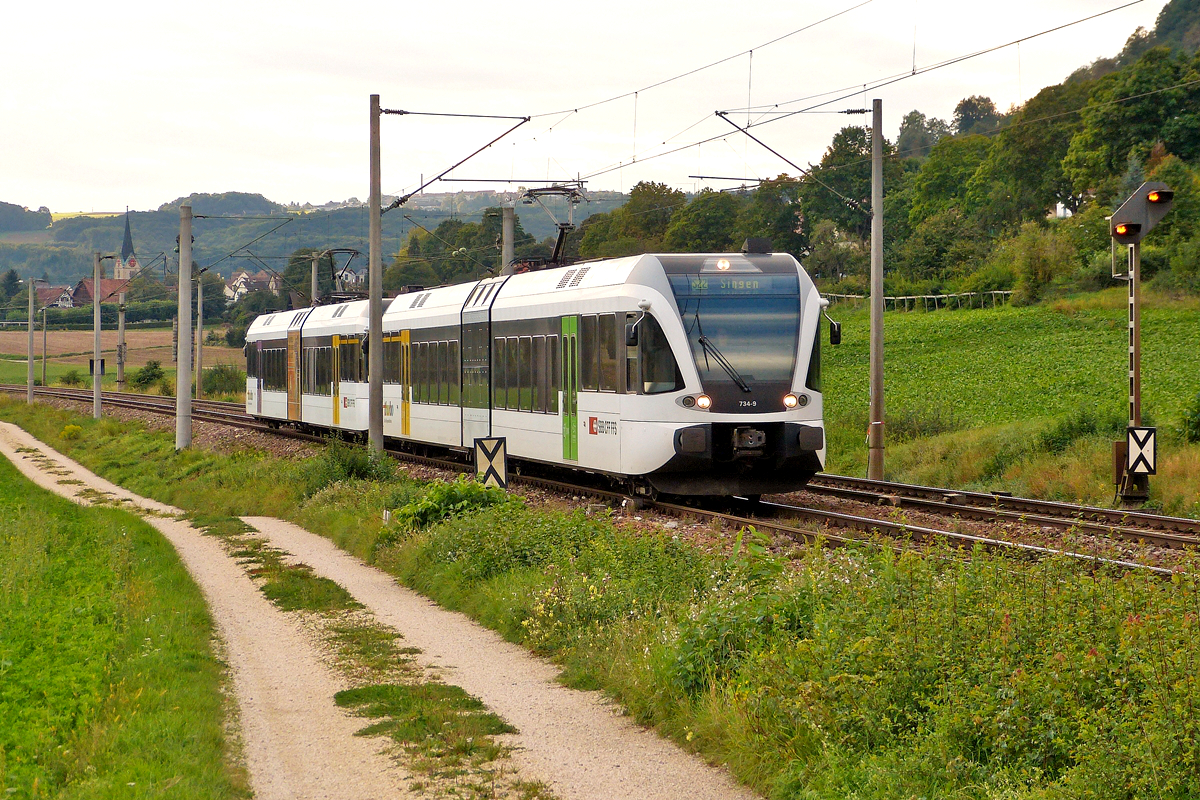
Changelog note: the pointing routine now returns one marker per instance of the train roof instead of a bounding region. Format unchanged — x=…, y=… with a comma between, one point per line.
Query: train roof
x=334, y=318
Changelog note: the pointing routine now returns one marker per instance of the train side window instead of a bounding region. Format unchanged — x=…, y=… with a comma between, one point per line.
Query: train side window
x=526, y=373
x=429, y=365
x=660, y=373
x=418, y=368
x=589, y=357
x=539, y=374
x=499, y=386
x=608, y=353
x=552, y=362
x=512, y=370
x=443, y=374
x=631, y=360
x=455, y=367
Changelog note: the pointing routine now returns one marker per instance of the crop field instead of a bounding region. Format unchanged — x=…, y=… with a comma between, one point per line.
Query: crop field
x=993, y=366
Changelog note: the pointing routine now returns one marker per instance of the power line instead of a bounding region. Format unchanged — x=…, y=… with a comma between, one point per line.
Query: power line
x=655, y=85
x=879, y=84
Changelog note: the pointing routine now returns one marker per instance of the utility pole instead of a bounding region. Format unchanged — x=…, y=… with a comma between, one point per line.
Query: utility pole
x=508, y=226
x=199, y=334
x=29, y=375
x=96, y=336
x=316, y=258
x=183, y=372
x=375, y=319
x=121, y=342
x=44, y=344
x=875, y=432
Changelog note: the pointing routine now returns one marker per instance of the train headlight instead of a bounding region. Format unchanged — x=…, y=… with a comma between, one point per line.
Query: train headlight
x=703, y=402
x=790, y=401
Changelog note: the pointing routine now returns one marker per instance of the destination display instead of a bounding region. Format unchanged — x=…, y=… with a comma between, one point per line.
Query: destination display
x=709, y=285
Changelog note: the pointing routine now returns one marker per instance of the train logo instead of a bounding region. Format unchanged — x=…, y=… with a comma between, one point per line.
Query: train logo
x=601, y=427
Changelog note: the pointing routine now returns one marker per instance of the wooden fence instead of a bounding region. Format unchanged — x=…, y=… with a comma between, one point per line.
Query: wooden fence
x=932, y=302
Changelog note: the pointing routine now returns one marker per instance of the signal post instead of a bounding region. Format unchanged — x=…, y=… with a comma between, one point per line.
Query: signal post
x=1134, y=460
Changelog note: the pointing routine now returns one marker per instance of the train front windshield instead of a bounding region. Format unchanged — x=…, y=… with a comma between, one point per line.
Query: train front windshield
x=742, y=326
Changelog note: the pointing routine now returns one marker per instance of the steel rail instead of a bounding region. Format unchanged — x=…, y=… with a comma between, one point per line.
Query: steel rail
x=1049, y=508
x=1077, y=523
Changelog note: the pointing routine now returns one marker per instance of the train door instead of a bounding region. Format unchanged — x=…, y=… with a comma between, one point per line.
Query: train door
x=294, y=362
x=258, y=375
x=476, y=395
x=336, y=378
x=570, y=387
x=293, y=375
x=405, y=383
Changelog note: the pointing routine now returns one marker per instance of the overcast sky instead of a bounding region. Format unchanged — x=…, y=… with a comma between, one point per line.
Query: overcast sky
x=108, y=105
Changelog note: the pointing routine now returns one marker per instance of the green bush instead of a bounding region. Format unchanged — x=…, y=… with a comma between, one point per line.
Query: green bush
x=340, y=461
x=147, y=376
x=224, y=379
x=70, y=432
x=1079, y=424
x=71, y=378
x=449, y=499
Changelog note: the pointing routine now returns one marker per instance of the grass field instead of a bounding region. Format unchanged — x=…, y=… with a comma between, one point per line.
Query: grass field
x=108, y=685
x=973, y=396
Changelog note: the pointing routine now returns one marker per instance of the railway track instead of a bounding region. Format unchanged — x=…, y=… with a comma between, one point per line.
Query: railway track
x=796, y=523
x=1125, y=525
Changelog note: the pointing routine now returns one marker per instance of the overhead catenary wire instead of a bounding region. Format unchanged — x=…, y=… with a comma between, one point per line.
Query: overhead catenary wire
x=878, y=84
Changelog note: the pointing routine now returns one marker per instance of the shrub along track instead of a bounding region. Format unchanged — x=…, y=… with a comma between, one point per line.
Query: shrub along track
x=1027, y=528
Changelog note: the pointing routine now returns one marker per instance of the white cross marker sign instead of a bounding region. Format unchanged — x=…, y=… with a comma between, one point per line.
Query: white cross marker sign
x=1142, y=446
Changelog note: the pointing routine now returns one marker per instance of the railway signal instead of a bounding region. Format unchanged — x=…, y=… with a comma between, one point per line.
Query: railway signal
x=1136, y=217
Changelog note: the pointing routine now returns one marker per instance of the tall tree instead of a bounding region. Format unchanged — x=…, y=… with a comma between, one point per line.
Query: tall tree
x=840, y=189
x=975, y=114
x=705, y=225
x=775, y=212
x=919, y=134
x=942, y=182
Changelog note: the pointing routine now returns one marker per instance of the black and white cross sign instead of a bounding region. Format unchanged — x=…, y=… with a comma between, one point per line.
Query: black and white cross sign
x=1142, y=446
x=491, y=461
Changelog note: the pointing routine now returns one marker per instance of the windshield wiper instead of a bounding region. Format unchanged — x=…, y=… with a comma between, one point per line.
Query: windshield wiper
x=710, y=348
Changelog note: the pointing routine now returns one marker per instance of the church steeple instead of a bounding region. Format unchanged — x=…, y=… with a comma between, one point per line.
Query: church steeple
x=128, y=266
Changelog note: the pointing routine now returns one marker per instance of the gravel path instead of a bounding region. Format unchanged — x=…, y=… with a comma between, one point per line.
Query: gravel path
x=298, y=744
x=575, y=742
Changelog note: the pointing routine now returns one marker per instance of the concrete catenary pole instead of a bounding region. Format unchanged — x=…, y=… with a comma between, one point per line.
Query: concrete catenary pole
x=316, y=257
x=44, y=308
x=375, y=304
x=200, y=335
x=32, y=314
x=183, y=372
x=508, y=226
x=96, y=336
x=121, y=341
x=875, y=432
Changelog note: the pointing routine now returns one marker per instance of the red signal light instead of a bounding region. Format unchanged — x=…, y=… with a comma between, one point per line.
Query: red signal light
x=1123, y=229
x=1160, y=196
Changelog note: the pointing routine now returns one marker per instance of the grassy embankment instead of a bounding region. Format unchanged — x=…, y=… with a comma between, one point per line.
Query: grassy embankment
x=108, y=686
x=1023, y=399
x=849, y=674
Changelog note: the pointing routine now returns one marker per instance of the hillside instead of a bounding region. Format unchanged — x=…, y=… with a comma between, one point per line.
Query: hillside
x=64, y=252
